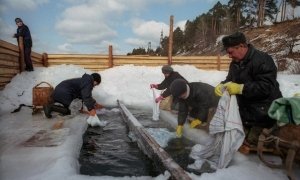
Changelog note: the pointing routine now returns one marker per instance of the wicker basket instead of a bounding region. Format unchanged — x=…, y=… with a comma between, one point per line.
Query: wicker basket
x=41, y=95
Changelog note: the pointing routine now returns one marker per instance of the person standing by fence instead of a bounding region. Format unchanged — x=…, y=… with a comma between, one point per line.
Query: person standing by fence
x=23, y=31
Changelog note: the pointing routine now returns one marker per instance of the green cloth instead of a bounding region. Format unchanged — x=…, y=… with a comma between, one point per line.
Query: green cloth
x=285, y=110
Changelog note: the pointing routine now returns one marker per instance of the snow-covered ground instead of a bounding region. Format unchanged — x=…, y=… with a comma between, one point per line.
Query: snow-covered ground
x=130, y=85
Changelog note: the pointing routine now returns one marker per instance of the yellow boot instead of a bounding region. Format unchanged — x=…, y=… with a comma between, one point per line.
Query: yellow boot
x=195, y=123
x=179, y=131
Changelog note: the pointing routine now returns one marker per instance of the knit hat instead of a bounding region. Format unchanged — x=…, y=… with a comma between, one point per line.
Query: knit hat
x=233, y=40
x=18, y=20
x=96, y=77
x=178, y=87
x=167, y=69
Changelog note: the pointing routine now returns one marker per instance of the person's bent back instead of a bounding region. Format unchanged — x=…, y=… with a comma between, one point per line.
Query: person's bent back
x=68, y=90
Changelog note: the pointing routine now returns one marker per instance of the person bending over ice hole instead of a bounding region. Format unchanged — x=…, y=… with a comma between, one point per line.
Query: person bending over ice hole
x=170, y=76
x=68, y=90
x=195, y=100
x=252, y=78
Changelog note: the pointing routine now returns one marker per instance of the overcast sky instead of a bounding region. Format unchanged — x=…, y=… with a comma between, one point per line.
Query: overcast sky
x=90, y=26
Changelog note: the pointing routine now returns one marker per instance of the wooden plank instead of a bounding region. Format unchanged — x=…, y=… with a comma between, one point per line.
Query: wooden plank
x=36, y=55
x=162, y=58
x=8, y=45
x=9, y=71
x=10, y=63
x=38, y=65
x=5, y=79
x=8, y=57
x=9, y=52
x=87, y=56
x=134, y=61
x=83, y=65
x=77, y=61
x=8, y=66
x=11, y=75
x=150, y=147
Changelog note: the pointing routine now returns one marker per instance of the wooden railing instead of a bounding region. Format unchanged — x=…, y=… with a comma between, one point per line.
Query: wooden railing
x=101, y=62
x=10, y=63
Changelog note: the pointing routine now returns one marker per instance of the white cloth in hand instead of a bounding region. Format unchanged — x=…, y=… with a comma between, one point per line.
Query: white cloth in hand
x=95, y=121
x=155, y=107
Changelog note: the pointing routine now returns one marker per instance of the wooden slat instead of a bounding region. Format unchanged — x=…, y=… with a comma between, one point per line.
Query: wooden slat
x=8, y=71
x=36, y=55
x=9, y=52
x=163, y=58
x=77, y=61
x=5, y=79
x=151, y=148
x=8, y=45
x=10, y=62
x=139, y=62
x=65, y=56
x=7, y=57
x=2, y=66
x=38, y=65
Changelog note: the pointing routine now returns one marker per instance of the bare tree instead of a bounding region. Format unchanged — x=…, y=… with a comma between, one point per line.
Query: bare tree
x=261, y=12
x=283, y=10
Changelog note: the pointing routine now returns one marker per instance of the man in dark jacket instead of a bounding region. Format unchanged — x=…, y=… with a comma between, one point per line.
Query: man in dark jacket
x=170, y=76
x=68, y=90
x=23, y=31
x=195, y=100
x=252, y=78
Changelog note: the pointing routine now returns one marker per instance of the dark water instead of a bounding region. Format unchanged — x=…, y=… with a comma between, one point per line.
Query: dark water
x=109, y=151
x=178, y=148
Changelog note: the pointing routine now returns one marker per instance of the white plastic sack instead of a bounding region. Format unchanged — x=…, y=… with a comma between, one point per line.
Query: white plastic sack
x=95, y=121
x=155, y=107
x=227, y=129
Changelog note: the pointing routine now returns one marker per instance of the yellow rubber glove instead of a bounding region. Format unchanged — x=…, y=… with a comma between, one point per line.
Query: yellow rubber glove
x=218, y=89
x=179, y=131
x=195, y=123
x=234, y=88
x=297, y=95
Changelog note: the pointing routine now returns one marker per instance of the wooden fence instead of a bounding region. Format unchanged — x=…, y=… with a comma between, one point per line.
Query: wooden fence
x=101, y=62
x=10, y=63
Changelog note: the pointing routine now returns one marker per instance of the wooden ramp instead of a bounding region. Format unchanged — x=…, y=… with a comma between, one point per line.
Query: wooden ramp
x=151, y=148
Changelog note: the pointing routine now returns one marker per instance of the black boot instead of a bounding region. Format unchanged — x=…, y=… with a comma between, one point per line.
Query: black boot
x=60, y=109
x=47, y=110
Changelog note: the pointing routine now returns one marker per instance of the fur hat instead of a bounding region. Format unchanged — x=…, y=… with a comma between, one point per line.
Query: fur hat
x=233, y=40
x=18, y=20
x=96, y=77
x=178, y=87
x=167, y=69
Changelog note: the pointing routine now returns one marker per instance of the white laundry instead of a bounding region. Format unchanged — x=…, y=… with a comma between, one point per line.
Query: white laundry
x=227, y=129
x=95, y=121
x=155, y=106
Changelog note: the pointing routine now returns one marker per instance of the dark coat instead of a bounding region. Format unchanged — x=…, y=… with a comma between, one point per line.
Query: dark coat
x=165, y=84
x=68, y=90
x=197, y=105
x=258, y=72
x=25, y=33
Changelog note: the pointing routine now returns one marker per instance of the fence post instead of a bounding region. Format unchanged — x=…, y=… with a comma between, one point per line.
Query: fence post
x=170, y=50
x=21, y=53
x=219, y=62
x=110, y=57
x=45, y=60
